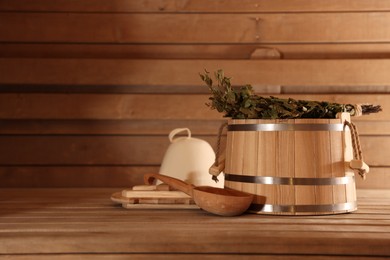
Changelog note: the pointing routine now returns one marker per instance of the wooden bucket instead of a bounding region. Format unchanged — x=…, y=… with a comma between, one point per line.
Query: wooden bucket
x=294, y=166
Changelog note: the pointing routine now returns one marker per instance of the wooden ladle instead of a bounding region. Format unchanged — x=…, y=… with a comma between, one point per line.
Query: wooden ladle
x=223, y=202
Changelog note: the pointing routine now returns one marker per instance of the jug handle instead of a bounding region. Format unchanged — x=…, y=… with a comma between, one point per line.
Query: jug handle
x=178, y=130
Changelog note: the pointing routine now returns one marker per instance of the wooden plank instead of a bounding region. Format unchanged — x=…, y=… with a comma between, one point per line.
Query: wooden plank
x=125, y=150
x=378, y=178
x=132, y=106
x=135, y=194
x=98, y=200
x=194, y=89
x=73, y=176
x=109, y=127
x=185, y=72
x=233, y=6
x=146, y=256
x=249, y=164
x=85, y=150
x=189, y=28
x=273, y=242
x=324, y=164
x=338, y=147
x=139, y=126
x=375, y=150
x=120, y=177
x=193, y=51
x=305, y=147
x=114, y=228
x=285, y=165
x=266, y=163
x=80, y=106
x=334, y=89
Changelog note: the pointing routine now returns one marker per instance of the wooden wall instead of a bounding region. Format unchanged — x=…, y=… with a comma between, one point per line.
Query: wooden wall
x=89, y=90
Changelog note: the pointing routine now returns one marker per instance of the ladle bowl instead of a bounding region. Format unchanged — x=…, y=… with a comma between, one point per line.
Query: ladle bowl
x=223, y=202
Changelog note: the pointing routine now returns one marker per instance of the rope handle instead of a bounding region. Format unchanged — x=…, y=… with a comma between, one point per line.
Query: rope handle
x=219, y=163
x=357, y=163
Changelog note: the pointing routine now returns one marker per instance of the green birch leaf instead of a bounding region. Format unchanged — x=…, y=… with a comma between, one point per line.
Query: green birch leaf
x=244, y=103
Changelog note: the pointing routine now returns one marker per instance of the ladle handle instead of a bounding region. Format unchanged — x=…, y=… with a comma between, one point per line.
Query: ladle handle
x=173, y=182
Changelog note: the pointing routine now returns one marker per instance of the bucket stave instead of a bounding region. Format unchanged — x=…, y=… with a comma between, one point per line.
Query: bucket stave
x=294, y=166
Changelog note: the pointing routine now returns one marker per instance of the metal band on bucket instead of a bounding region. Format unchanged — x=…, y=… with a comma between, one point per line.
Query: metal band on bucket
x=286, y=127
x=289, y=180
x=269, y=208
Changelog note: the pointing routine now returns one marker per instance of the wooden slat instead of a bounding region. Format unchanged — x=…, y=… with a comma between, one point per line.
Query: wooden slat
x=191, y=28
x=137, y=127
x=118, y=240
x=185, y=72
x=194, y=51
x=121, y=176
x=86, y=150
x=113, y=127
x=373, y=128
x=376, y=150
x=378, y=178
x=113, y=227
x=335, y=89
x=199, y=89
x=125, y=256
x=125, y=150
x=80, y=106
x=194, y=6
x=73, y=176
x=132, y=106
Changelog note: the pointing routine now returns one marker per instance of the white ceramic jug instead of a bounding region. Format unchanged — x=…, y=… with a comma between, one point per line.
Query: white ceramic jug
x=189, y=159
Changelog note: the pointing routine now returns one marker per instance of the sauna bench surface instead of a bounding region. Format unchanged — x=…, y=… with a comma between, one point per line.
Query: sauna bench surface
x=83, y=223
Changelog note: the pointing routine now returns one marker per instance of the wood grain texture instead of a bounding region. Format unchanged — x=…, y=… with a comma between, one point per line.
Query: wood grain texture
x=85, y=150
x=302, y=154
x=285, y=165
x=103, y=127
x=305, y=163
x=124, y=256
x=132, y=106
x=267, y=163
x=123, y=149
x=80, y=80
x=249, y=161
x=379, y=178
x=123, y=176
x=198, y=6
x=324, y=160
x=146, y=127
x=190, y=27
x=140, y=72
x=73, y=176
x=84, y=221
x=193, y=51
x=237, y=152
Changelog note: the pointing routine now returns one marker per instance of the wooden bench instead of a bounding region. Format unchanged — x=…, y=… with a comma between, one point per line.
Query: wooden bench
x=84, y=223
